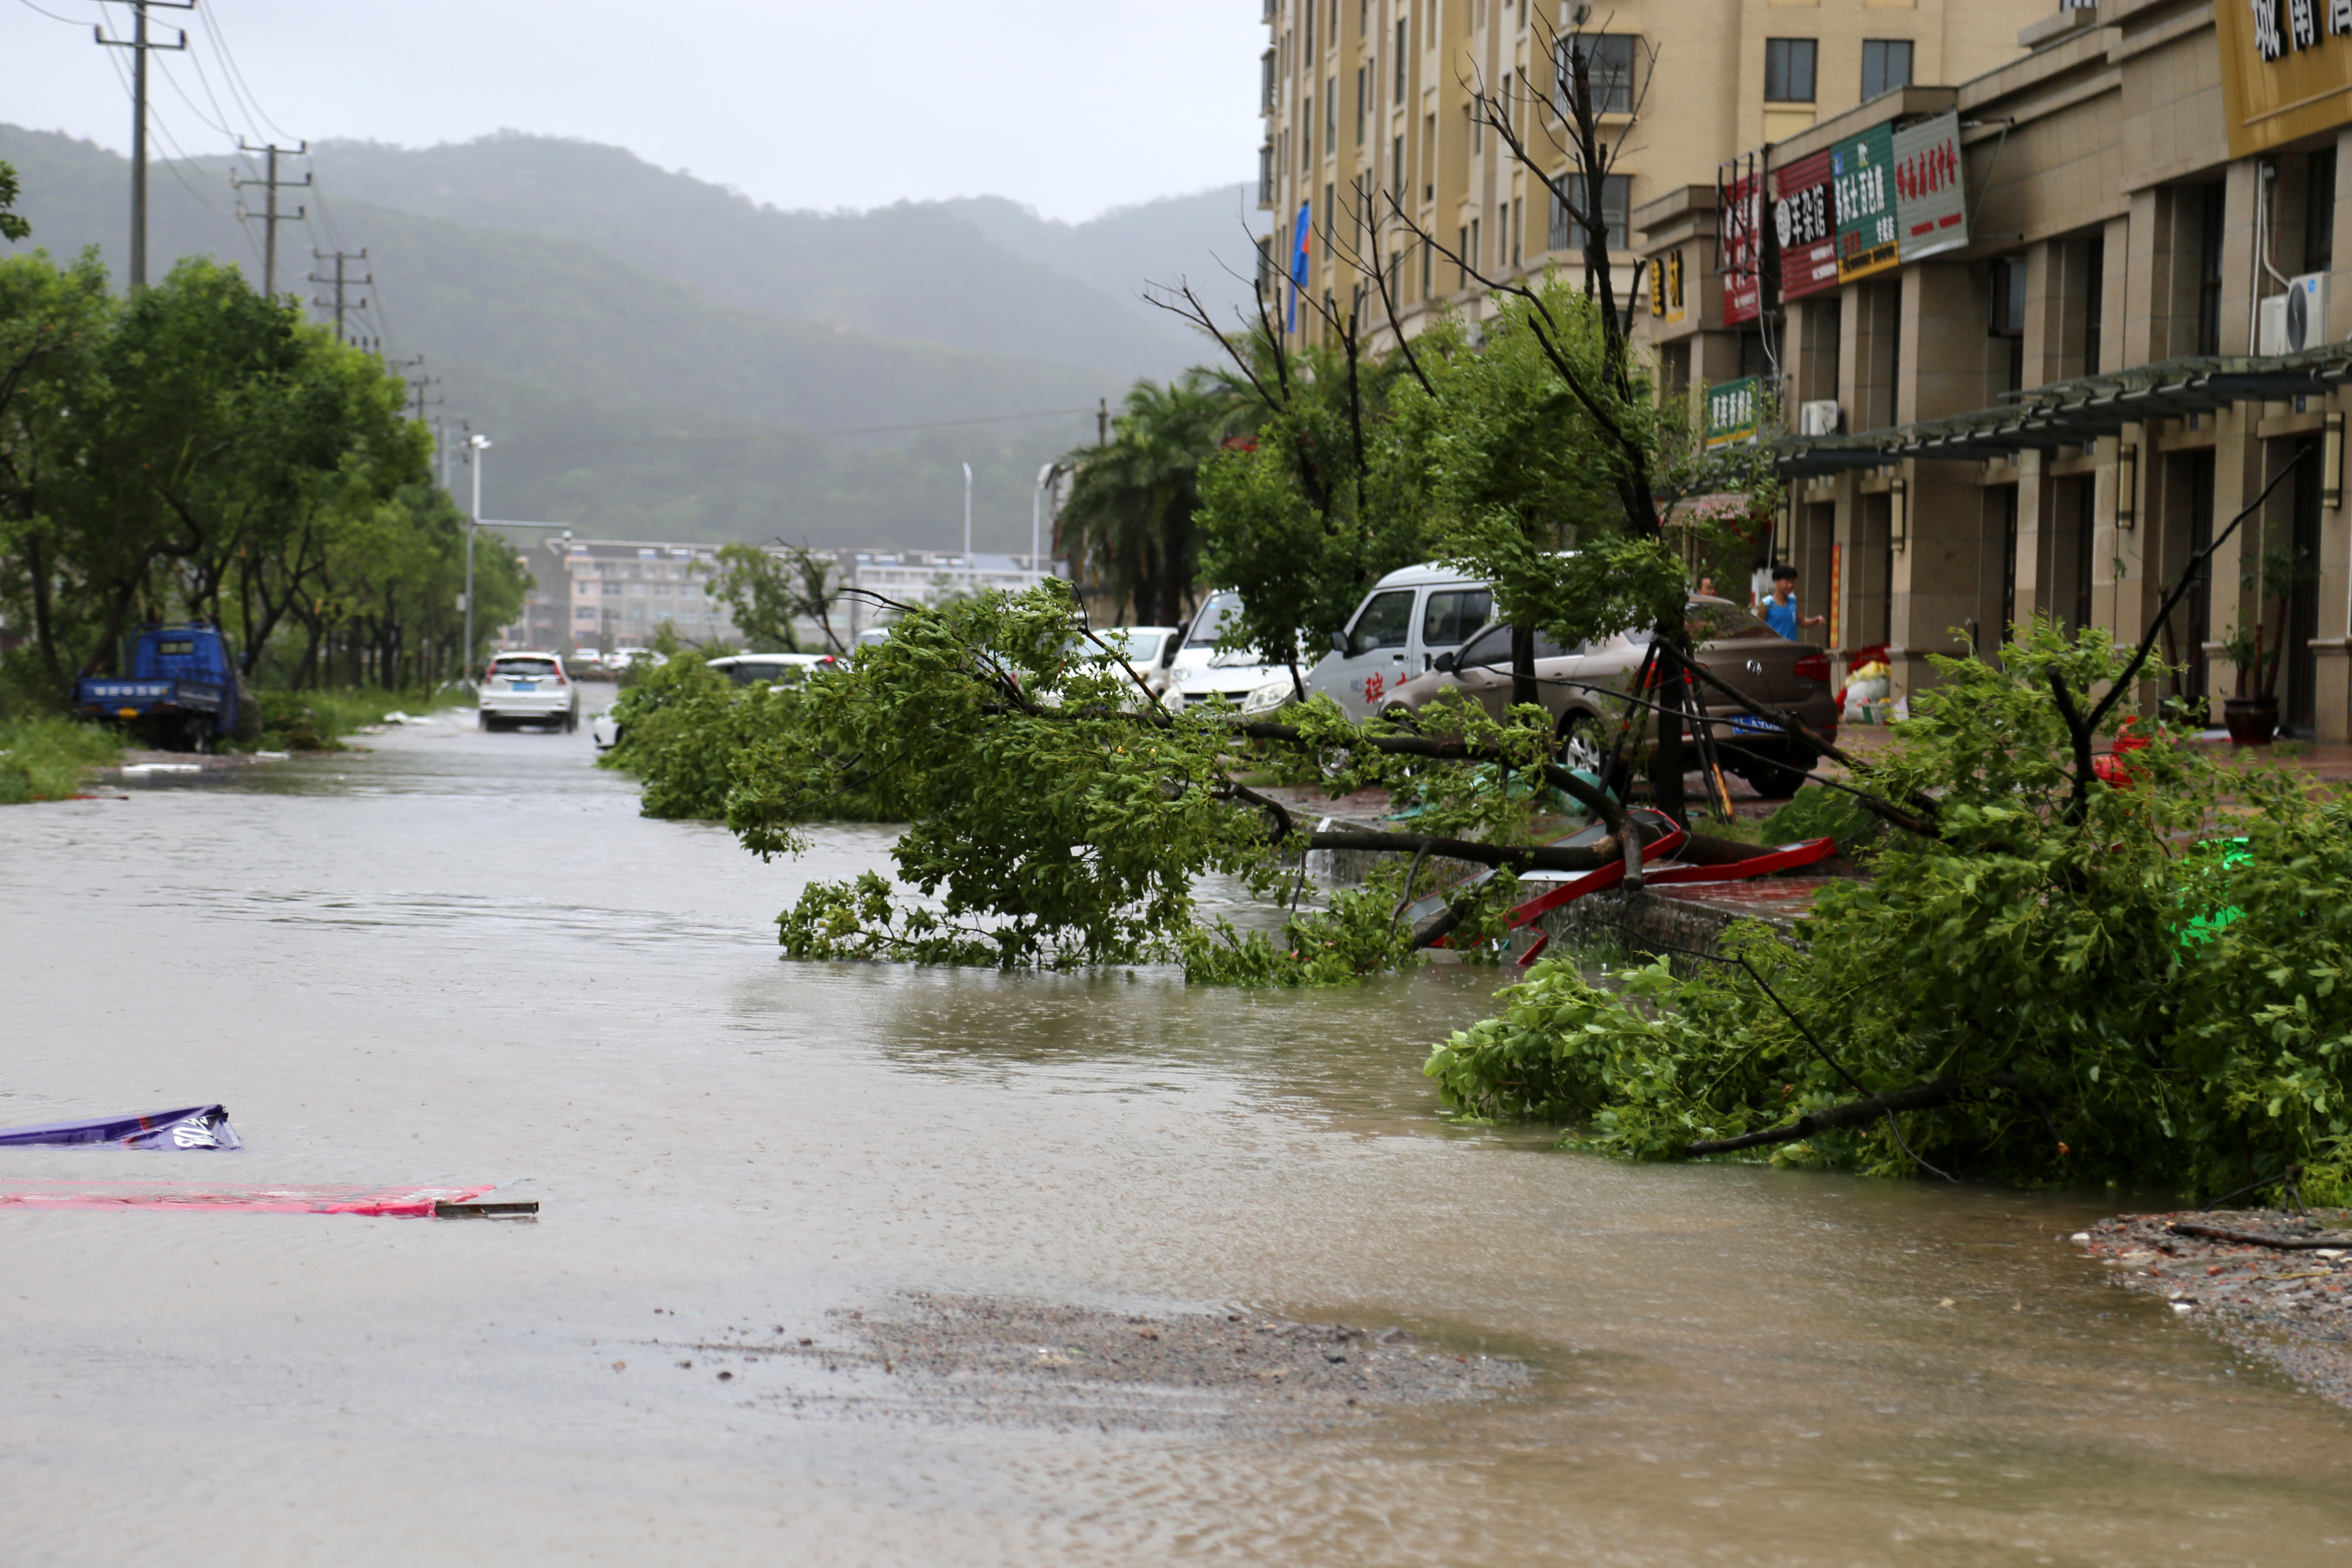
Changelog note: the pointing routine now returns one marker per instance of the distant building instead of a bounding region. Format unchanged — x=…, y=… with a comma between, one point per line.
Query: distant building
x=605, y=593
x=926, y=577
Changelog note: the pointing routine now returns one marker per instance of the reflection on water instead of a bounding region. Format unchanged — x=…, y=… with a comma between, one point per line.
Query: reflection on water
x=465, y=957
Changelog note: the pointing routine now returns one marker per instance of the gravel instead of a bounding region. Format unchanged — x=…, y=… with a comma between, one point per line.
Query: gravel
x=2290, y=1307
x=996, y=1362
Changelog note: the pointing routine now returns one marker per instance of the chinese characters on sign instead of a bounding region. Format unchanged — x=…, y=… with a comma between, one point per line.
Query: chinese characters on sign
x=1373, y=686
x=1731, y=411
x=1930, y=210
x=1806, y=216
x=2284, y=24
x=1866, y=203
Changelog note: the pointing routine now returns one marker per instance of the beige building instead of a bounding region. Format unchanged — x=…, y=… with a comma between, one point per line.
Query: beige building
x=1368, y=98
x=2133, y=322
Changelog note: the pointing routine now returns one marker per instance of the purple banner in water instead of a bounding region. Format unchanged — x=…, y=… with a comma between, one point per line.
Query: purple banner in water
x=196, y=1126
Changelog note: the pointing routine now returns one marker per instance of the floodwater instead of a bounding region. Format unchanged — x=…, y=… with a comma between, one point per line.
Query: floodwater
x=463, y=957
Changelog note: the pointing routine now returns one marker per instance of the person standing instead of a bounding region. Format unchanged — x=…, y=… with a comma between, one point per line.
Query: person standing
x=1780, y=611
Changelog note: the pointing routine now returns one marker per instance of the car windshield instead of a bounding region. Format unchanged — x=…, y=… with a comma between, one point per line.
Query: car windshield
x=1136, y=647
x=526, y=668
x=749, y=672
x=1210, y=624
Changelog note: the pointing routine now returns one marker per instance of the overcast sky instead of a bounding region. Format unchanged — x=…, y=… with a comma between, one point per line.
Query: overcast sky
x=1072, y=106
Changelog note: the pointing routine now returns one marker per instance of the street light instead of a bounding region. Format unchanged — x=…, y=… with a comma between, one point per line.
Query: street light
x=1046, y=473
x=480, y=444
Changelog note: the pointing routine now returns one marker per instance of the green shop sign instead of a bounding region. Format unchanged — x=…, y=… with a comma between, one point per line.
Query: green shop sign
x=1732, y=410
x=1861, y=171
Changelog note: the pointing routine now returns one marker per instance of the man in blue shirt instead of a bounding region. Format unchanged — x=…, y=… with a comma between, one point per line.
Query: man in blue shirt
x=1780, y=609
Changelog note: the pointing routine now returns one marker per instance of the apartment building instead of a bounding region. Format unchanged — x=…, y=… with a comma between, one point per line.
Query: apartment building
x=1369, y=101
x=609, y=594
x=2144, y=329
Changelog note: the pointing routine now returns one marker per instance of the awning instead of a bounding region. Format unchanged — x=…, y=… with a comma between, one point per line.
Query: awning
x=2072, y=413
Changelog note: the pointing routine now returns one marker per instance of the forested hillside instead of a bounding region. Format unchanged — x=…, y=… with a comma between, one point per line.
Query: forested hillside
x=611, y=333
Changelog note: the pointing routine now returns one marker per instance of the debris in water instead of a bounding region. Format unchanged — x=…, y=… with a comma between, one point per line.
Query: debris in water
x=193, y=1127
x=398, y=1200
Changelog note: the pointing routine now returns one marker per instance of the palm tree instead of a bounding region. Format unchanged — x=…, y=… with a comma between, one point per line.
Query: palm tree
x=1127, y=524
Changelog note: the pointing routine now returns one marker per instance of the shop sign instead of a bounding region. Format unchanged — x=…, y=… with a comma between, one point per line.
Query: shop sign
x=1666, y=287
x=1860, y=171
x=1930, y=197
x=1731, y=411
x=1806, y=216
x=2286, y=69
x=1742, y=216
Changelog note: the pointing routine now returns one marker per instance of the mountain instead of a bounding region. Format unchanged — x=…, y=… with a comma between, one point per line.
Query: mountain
x=628, y=399
x=1207, y=239
x=921, y=270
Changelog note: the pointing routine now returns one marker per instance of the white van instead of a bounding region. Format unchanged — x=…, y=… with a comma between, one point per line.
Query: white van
x=1411, y=617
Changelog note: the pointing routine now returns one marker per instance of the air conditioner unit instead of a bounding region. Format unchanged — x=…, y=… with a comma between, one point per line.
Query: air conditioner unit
x=2296, y=320
x=1821, y=418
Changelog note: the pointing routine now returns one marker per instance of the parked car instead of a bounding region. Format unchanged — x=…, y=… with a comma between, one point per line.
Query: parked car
x=747, y=669
x=1150, y=651
x=1197, y=672
x=528, y=688
x=1732, y=645
x=1411, y=617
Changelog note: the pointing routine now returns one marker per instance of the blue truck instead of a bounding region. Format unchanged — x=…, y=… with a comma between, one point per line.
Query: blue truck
x=183, y=686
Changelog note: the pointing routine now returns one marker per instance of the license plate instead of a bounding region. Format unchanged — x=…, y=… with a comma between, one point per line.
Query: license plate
x=522, y=686
x=1752, y=725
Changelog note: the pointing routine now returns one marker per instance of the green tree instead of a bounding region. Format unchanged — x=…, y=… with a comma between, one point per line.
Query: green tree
x=53, y=322
x=11, y=224
x=769, y=592
x=1130, y=509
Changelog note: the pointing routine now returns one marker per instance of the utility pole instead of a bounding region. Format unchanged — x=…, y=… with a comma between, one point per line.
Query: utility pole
x=1102, y=422
x=967, y=517
x=270, y=217
x=341, y=282
x=479, y=445
x=141, y=47
x=418, y=385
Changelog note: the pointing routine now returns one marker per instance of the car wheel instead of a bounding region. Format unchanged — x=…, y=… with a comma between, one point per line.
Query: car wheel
x=1770, y=780
x=1579, y=744
x=571, y=723
x=481, y=720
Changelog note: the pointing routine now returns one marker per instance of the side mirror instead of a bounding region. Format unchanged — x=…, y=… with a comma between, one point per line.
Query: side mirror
x=1339, y=644
x=1442, y=663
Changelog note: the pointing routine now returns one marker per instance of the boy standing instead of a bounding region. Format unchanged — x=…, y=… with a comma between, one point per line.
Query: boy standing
x=1780, y=610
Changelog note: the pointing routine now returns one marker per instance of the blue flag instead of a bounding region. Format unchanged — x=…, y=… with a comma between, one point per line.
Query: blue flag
x=1302, y=236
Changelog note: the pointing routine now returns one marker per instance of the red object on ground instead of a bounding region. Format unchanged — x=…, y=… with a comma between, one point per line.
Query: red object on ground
x=1785, y=858
x=406, y=1199
x=2110, y=769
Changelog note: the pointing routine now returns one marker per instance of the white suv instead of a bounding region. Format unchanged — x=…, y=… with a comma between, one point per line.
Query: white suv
x=529, y=688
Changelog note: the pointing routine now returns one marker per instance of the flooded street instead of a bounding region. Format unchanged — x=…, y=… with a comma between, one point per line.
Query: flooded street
x=465, y=958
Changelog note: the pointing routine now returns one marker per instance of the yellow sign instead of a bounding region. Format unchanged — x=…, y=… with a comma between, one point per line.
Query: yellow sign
x=2286, y=69
x=1666, y=287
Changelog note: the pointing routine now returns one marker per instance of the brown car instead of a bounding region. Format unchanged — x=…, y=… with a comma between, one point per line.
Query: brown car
x=1733, y=645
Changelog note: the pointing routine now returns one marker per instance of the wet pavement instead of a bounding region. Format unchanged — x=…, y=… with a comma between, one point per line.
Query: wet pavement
x=464, y=958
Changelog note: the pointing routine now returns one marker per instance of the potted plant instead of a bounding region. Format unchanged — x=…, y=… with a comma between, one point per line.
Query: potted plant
x=2257, y=655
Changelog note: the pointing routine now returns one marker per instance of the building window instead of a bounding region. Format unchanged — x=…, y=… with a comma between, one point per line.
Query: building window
x=2319, y=212
x=1306, y=136
x=1567, y=233
x=2009, y=317
x=1398, y=96
x=1310, y=31
x=1609, y=71
x=1396, y=165
x=2209, y=206
x=1363, y=90
x=1265, y=82
x=1332, y=118
x=1789, y=69
x=1265, y=175
x=2095, y=301
x=1518, y=207
x=1885, y=66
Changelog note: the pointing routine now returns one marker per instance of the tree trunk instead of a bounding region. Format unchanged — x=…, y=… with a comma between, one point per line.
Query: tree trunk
x=44, y=629
x=1666, y=765
x=1523, y=667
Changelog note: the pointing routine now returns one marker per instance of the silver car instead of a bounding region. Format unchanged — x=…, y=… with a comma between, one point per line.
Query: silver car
x=528, y=688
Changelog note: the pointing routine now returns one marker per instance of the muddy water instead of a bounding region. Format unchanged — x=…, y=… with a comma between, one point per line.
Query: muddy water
x=464, y=957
